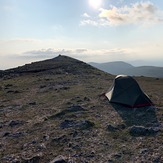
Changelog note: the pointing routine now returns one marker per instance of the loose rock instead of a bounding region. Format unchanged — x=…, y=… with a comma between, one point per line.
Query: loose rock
x=142, y=131
x=15, y=123
x=75, y=108
x=32, y=103
x=33, y=159
x=83, y=124
x=59, y=159
x=111, y=128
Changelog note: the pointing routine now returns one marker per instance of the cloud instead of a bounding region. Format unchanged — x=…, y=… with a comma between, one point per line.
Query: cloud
x=89, y=22
x=86, y=15
x=94, y=22
x=143, y=52
x=81, y=50
x=144, y=13
x=83, y=54
x=43, y=53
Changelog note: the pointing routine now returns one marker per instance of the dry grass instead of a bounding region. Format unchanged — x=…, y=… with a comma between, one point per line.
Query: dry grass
x=35, y=97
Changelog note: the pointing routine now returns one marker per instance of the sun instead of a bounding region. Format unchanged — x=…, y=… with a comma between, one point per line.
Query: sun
x=95, y=3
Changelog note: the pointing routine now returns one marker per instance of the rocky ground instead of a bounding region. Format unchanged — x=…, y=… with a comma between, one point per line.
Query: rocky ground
x=59, y=114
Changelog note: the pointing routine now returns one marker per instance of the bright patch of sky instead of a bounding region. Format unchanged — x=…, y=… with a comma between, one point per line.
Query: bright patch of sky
x=89, y=30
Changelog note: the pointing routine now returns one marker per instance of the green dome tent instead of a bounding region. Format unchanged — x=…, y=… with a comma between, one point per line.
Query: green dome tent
x=126, y=91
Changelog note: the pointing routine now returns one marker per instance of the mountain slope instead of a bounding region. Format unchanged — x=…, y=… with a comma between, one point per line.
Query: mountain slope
x=59, y=110
x=60, y=64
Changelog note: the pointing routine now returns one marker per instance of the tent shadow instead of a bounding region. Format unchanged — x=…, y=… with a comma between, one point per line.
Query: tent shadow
x=144, y=116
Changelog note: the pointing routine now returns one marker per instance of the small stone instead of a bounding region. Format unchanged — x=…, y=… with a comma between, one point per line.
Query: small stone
x=7, y=158
x=16, y=91
x=46, y=137
x=17, y=134
x=111, y=128
x=75, y=108
x=157, y=160
x=143, y=151
x=34, y=142
x=15, y=123
x=82, y=124
x=13, y=91
x=61, y=139
x=1, y=125
x=32, y=103
x=142, y=131
x=117, y=155
x=74, y=134
x=86, y=99
x=85, y=124
x=8, y=85
x=6, y=134
x=42, y=146
x=67, y=124
x=121, y=126
x=33, y=159
x=1, y=145
x=42, y=86
x=59, y=159
x=91, y=155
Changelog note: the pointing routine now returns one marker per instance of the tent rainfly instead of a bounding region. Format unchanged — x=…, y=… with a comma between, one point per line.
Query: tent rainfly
x=126, y=91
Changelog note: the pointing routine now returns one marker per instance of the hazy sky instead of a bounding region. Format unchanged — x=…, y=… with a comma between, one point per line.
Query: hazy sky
x=89, y=30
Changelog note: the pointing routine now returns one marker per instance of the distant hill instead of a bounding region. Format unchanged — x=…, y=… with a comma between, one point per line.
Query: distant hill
x=150, y=71
x=117, y=67
x=128, y=69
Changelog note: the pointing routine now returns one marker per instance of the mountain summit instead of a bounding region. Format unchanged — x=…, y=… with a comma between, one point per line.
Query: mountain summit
x=58, y=65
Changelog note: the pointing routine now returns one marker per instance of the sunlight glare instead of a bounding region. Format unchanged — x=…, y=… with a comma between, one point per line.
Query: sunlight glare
x=95, y=3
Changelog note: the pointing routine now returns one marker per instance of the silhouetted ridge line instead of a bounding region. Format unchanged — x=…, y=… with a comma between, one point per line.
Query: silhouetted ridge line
x=58, y=65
